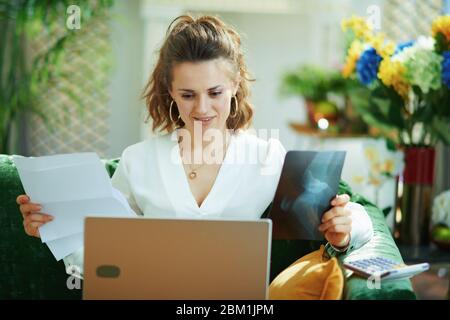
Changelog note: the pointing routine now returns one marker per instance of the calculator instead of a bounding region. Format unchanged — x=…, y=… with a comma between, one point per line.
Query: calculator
x=384, y=268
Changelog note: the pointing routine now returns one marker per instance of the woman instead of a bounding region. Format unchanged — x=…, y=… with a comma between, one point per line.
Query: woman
x=205, y=167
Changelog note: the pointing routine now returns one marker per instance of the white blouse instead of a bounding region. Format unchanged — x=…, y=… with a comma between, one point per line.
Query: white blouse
x=151, y=176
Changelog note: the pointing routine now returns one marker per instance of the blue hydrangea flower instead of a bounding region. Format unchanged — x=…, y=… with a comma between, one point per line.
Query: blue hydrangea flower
x=446, y=69
x=367, y=66
x=403, y=45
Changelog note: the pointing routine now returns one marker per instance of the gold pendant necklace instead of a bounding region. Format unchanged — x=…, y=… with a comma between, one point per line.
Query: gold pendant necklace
x=193, y=172
x=192, y=175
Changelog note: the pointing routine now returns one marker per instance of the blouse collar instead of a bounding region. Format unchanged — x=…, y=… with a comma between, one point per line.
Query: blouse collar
x=177, y=187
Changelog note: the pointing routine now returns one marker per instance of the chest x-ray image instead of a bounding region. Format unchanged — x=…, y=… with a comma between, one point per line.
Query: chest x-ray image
x=308, y=182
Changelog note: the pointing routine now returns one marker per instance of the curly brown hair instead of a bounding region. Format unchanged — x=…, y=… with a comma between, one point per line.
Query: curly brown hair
x=195, y=40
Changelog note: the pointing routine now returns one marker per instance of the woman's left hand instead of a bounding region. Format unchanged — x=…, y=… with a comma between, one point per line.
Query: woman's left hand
x=337, y=222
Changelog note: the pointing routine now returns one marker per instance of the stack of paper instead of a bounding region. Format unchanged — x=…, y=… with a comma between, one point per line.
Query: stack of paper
x=69, y=187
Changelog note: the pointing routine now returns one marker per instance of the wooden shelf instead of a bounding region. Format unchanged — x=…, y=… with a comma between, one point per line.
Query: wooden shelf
x=307, y=130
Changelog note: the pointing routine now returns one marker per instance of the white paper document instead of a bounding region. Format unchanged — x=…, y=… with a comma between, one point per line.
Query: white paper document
x=69, y=187
x=62, y=247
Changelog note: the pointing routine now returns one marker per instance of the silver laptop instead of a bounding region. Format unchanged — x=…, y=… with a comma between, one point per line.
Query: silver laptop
x=142, y=258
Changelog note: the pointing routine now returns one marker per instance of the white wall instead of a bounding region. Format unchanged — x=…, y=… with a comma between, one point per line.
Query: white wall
x=126, y=77
x=273, y=43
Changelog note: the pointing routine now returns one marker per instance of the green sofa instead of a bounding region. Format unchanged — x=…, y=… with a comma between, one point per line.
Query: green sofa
x=29, y=271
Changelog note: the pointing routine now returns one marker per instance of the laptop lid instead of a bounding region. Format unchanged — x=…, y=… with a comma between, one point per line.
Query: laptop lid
x=142, y=258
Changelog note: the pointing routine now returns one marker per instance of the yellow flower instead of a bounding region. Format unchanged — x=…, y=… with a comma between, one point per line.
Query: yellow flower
x=384, y=48
x=358, y=179
x=376, y=168
x=442, y=25
x=354, y=52
x=363, y=31
x=387, y=50
x=391, y=74
x=359, y=26
x=376, y=181
x=371, y=154
x=389, y=166
x=377, y=42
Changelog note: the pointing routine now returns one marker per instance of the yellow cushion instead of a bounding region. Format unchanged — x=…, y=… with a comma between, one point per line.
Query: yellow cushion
x=311, y=277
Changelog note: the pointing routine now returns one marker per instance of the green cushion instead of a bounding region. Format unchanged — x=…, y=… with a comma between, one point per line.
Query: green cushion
x=382, y=244
x=29, y=271
x=27, y=267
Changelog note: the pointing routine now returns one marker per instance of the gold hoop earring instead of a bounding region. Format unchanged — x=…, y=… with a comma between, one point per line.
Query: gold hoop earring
x=236, y=109
x=170, y=113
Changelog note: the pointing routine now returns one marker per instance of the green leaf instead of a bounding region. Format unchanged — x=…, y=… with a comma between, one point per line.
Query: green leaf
x=441, y=44
x=391, y=145
x=423, y=114
x=441, y=129
x=383, y=105
x=386, y=211
x=19, y=86
x=386, y=106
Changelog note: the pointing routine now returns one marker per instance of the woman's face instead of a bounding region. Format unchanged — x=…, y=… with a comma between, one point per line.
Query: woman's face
x=203, y=92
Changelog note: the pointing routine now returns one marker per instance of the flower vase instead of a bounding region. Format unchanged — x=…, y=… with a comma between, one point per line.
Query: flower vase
x=414, y=196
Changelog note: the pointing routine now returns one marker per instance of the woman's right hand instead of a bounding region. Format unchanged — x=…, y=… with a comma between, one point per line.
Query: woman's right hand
x=32, y=217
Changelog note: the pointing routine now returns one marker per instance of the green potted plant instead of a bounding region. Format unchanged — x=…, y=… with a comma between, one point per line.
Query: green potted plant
x=312, y=83
x=318, y=85
x=22, y=80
